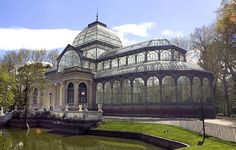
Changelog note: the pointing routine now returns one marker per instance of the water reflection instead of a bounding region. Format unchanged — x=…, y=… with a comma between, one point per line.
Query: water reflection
x=38, y=139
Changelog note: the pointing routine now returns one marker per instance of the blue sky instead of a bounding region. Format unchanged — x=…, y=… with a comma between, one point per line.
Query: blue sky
x=51, y=24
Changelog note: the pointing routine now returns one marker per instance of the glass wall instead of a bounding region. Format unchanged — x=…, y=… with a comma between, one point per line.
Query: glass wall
x=168, y=90
x=165, y=55
x=107, y=93
x=153, y=90
x=70, y=59
x=126, y=92
x=176, y=56
x=138, y=91
x=114, y=63
x=152, y=55
x=196, y=90
x=116, y=97
x=206, y=88
x=140, y=57
x=106, y=64
x=183, y=84
x=131, y=59
x=99, y=93
x=122, y=61
x=100, y=66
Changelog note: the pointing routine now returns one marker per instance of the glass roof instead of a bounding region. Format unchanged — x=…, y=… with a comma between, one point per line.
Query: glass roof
x=150, y=43
x=149, y=66
x=97, y=31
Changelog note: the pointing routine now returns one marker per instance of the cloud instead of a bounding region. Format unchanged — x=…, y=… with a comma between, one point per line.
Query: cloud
x=17, y=38
x=125, y=40
x=138, y=30
x=135, y=29
x=172, y=34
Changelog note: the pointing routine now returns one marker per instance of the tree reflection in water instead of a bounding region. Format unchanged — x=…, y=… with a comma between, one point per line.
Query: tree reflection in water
x=38, y=139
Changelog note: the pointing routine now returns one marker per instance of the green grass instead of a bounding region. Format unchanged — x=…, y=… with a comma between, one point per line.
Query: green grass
x=175, y=133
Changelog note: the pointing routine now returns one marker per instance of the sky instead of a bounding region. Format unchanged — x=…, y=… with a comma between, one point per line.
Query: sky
x=52, y=24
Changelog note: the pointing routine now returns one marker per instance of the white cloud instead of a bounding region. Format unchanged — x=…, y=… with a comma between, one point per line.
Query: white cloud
x=135, y=29
x=16, y=38
x=125, y=40
x=172, y=34
x=138, y=30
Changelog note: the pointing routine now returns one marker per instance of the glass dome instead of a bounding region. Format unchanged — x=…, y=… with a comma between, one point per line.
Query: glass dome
x=97, y=31
x=70, y=59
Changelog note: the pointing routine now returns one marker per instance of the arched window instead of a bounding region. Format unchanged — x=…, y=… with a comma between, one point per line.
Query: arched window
x=114, y=63
x=99, y=93
x=126, y=92
x=82, y=93
x=206, y=88
x=181, y=57
x=176, y=56
x=107, y=64
x=184, y=94
x=196, y=90
x=116, y=99
x=152, y=55
x=131, y=59
x=153, y=90
x=168, y=90
x=122, y=61
x=70, y=93
x=70, y=59
x=138, y=91
x=107, y=93
x=165, y=55
x=140, y=57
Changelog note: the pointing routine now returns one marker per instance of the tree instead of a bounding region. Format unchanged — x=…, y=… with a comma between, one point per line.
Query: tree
x=7, y=87
x=26, y=77
x=52, y=57
x=182, y=42
x=38, y=56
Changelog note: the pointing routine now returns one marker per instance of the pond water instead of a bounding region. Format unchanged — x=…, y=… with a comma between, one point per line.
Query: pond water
x=39, y=139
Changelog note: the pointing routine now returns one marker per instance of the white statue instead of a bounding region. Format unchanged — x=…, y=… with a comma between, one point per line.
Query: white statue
x=66, y=109
x=1, y=112
x=80, y=107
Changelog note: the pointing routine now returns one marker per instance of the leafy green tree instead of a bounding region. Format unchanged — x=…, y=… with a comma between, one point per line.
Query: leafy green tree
x=7, y=87
x=26, y=77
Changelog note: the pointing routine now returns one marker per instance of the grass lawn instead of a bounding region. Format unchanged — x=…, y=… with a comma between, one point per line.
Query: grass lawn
x=174, y=133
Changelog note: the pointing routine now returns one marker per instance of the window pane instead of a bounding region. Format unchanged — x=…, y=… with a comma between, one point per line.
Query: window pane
x=138, y=91
x=107, y=93
x=153, y=90
x=116, y=99
x=99, y=94
x=126, y=92
x=184, y=95
x=206, y=91
x=70, y=59
x=196, y=90
x=168, y=90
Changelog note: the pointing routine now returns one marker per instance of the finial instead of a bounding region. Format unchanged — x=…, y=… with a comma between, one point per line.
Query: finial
x=97, y=15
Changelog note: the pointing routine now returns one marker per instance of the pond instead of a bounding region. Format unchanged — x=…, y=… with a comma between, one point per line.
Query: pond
x=40, y=139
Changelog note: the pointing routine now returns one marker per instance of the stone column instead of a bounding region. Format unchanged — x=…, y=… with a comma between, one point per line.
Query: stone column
x=76, y=94
x=60, y=95
x=64, y=101
x=90, y=92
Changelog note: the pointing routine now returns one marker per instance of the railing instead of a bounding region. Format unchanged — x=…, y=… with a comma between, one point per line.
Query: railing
x=81, y=115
